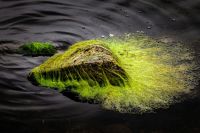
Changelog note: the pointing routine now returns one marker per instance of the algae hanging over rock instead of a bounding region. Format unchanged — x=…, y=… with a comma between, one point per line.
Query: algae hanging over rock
x=130, y=73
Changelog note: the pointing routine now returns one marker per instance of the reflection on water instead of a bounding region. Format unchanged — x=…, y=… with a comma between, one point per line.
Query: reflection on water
x=27, y=108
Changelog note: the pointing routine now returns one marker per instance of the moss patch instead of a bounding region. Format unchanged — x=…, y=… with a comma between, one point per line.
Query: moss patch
x=157, y=73
x=37, y=49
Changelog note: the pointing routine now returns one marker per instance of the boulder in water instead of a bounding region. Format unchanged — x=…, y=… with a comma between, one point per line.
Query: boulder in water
x=94, y=64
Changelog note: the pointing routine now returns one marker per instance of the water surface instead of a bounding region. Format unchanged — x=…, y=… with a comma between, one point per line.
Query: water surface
x=27, y=108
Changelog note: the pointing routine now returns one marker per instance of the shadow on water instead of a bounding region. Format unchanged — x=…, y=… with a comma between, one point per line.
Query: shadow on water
x=25, y=108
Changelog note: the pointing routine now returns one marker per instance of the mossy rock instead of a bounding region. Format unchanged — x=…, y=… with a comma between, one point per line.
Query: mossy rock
x=37, y=49
x=94, y=64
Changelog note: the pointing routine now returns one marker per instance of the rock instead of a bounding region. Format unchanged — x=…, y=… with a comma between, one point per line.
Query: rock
x=37, y=49
x=92, y=63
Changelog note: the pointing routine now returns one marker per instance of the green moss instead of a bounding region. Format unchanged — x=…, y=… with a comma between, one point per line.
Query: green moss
x=157, y=73
x=37, y=49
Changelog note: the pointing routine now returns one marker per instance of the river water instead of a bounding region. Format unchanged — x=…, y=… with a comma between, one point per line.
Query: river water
x=25, y=108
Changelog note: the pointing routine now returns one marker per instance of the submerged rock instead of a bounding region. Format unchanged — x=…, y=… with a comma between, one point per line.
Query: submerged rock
x=94, y=64
x=37, y=49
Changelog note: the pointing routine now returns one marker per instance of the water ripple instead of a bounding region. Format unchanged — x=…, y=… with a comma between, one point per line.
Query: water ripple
x=65, y=22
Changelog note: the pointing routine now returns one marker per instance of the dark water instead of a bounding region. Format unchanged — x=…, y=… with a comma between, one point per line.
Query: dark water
x=25, y=108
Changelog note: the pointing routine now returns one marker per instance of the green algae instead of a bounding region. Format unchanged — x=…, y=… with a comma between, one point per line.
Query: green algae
x=157, y=73
x=37, y=49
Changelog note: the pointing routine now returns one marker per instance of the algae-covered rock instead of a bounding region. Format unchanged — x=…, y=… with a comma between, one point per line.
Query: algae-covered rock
x=131, y=73
x=94, y=64
x=37, y=49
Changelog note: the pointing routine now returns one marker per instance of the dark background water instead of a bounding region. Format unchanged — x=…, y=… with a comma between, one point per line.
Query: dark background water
x=25, y=108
